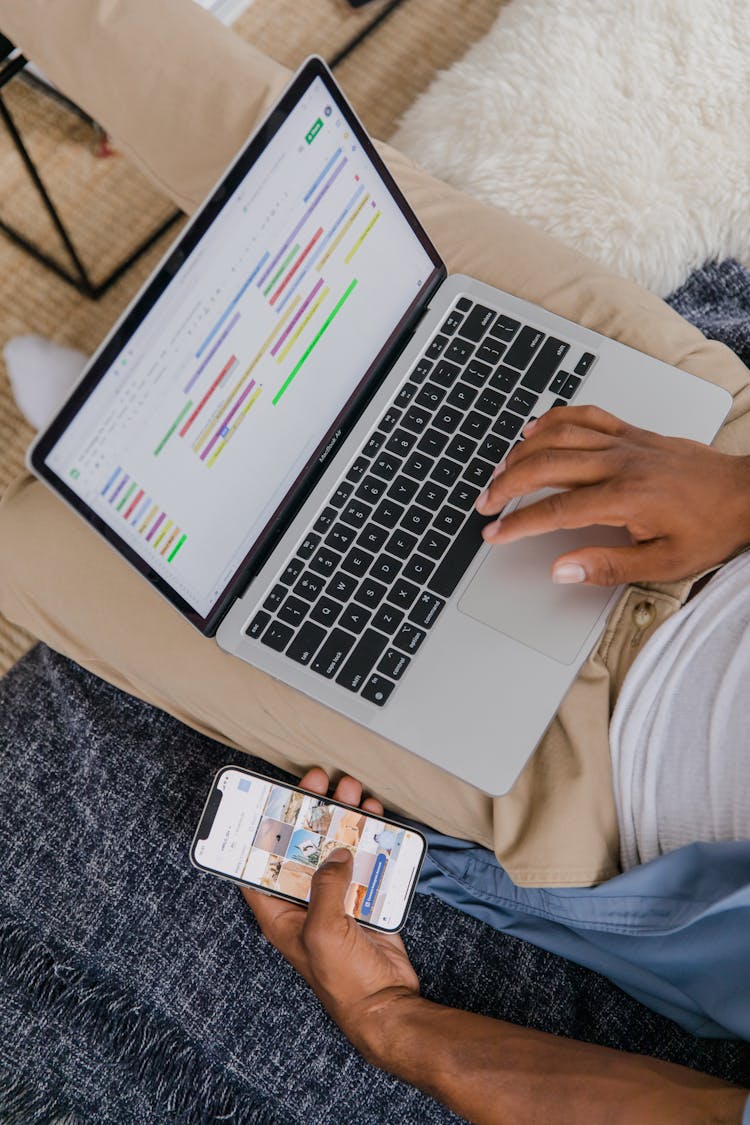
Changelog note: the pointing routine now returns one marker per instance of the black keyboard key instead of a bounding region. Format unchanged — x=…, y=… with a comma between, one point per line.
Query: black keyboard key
x=385, y=568
x=409, y=638
x=373, y=443
x=333, y=654
x=572, y=383
x=386, y=465
x=559, y=381
x=522, y=401
x=524, y=347
x=325, y=611
x=405, y=395
x=504, y=380
x=430, y=396
x=403, y=489
x=426, y=610
x=418, y=569
x=559, y=402
x=479, y=472
x=507, y=425
x=307, y=547
x=435, y=348
x=475, y=424
x=504, y=328
x=461, y=448
x=459, y=351
x=431, y=496
x=416, y=419
x=275, y=598
x=258, y=624
x=445, y=374
x=277, y=636
x=394, y=663
x=309, y=586
x=293, y=611
x=546, y=364
x=434, y=544
x=401, y=543
x=493, y=448
x=418, y=465
x=324, y=561
x=341, y=587
x=387, y=619
x=372, y=537
x=325, y=520
x=342, y=494
x=491, y=351
x=388, y=513
x=363, y=659
x=451, y=323
x=416, y=519
x=306, y=643
x=370, y=593
x=463, y=496
x=421, y=371
x=446, y=472
x=432, y=442
x=476, y=373
x=459, y=557
x=293, y=570
x=463, y=304
x=476, y=323
x=371, y=489
x=462, y=396
x=489, y=402
x=400, y=442
x=354, y=618
x=447, y=419
x=389, y=419
x=357, y=562
x=377, y=689
x=448, y=520
x=584, y=363
x=402, y=594
x=355, y=513
x=358, y=469
x=340, y=537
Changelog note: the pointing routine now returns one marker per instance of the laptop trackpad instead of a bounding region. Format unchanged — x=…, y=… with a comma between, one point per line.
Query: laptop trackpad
x=513, y=592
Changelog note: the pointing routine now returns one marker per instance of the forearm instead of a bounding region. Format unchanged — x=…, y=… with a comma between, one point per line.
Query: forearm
x=495, y=1073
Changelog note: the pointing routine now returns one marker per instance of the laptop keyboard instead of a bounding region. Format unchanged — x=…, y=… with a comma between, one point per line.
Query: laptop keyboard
x=373, y=572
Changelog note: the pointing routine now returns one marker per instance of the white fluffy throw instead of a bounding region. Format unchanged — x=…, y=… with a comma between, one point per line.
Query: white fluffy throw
x=620, y=126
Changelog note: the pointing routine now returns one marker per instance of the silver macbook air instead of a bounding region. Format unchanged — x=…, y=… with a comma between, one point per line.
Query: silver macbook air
x=287, y=430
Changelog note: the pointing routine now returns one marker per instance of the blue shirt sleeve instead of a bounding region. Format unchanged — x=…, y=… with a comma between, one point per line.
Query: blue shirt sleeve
x=746, y=1114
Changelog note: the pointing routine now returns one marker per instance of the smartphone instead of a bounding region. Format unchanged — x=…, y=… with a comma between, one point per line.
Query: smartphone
x=271, y=836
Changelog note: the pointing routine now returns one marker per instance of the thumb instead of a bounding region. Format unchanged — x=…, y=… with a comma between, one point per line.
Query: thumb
x=611, y=566
x=329, y=886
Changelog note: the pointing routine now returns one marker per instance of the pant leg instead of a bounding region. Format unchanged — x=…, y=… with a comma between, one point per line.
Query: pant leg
x=183, y=93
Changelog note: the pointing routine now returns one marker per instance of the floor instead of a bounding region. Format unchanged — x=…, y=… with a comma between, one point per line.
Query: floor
x=109, y=206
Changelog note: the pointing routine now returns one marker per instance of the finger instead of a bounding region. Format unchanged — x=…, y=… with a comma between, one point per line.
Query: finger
x=582, y=507
x=329, y=886
x=348, y=791
x=590, y=417
x=612, y=566
x=316, y=780
x=544, y=468
x=372, y=805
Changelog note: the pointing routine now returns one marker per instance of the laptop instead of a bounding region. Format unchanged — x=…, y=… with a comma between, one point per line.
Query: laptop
x=287, y=430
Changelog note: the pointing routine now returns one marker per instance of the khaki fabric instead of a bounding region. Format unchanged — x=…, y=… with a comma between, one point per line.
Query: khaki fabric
x=180, y=94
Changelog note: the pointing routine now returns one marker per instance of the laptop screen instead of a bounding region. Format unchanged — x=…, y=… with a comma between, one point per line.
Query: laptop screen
x=194, y=427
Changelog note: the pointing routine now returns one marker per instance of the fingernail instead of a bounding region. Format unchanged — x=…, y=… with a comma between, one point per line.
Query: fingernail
x=530, y=426
x=490, y=530
x=482, y=499
x=500, y=469
x=568, y=573
x=338, y=855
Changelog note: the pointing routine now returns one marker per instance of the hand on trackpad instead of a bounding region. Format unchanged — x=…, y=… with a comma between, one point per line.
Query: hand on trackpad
x=513, y=592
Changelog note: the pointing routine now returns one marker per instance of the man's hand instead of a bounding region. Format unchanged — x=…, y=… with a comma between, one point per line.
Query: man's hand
x=354, y=971
x=686, y=506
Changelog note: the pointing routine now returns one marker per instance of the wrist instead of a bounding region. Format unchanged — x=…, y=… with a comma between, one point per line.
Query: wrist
x=376, y=1027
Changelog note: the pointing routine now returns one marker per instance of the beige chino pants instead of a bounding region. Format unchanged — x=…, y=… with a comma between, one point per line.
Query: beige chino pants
x=180, y=94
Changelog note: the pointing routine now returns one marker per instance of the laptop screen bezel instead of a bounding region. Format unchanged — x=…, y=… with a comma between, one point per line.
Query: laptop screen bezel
x=170, y=266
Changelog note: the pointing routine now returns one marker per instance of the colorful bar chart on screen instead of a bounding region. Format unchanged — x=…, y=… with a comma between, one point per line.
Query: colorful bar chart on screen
x=329, y=319
x=144, y=515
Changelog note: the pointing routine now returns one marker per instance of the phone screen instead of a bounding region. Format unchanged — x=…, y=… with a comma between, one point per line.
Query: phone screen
x=272, y=836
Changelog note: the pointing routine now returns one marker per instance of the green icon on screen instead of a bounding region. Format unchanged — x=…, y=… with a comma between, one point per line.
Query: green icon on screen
x=310, y=137
x=75, y=474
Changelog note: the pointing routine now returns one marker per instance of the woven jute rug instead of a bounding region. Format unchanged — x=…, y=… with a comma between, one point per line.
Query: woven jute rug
x=110, y=208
